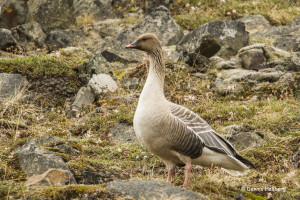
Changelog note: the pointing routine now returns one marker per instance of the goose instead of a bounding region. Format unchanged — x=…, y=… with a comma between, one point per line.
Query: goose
x=174, y=133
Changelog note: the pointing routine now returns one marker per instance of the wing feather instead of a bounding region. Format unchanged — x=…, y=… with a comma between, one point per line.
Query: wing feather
x=199, y=127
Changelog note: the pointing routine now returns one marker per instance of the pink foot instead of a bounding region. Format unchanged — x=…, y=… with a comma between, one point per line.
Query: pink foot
x=171, y=174
x=187, y=171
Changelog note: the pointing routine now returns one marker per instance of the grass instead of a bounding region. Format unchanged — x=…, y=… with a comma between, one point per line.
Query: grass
x=275, y=116
x=190, y=14
x=276, y=119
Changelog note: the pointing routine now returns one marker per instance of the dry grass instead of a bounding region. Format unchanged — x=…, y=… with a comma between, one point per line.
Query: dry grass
x=190, y=14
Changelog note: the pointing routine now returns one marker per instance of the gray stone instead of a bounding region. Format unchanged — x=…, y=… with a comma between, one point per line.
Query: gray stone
x=11, y=84
x=253, y=59
x=284, y=37
x=64, y=38
x=242, y=137
x=131, y=83
x=6, y=39
x=98, y=9
x=226, y=64
x=220, y=38
x=122, y=133
x=53, y=15
x=295, y=61
x=145, y=189
x=261, y=56
x=52, y=177
x=102, y=83
x=159, y=22
x=13, y=13
x=29, y=35
x=95, y=65
x=255, y=23
x=84, y=97
x=42, y=166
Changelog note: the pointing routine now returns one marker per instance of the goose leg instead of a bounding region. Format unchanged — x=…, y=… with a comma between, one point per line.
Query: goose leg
x=187, y=171
x=171, y=173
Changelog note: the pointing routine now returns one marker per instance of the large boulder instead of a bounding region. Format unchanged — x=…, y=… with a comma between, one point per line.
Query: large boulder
x=255, y=23
x=10, y=84
x=64, y=38
x=220, y=38
x=29, y=35
x=13, y=13
x=159, y=22
x=42, y=167
x=98, y=9
x=145, y=189
x=6, y=39
x=53, y=15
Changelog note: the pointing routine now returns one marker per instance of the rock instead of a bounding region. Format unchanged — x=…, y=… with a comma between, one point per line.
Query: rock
x=13, y=13
x=218, y=38
x=145, y=189
x=237, y=81
x=91, y=177
x=97, y=9
x=159, y=22
x=150, y=5
x=295, y=22
x=261, y=56
x=109, y=27
x=42, y=166
x=96, y=65
x=64, y=38
x=253, y=59
x=242, y=137
x=284, y=37
x=84, y=97
x=131, y=83
x=102, y=83
x=6, y=39
x=255, y=23
x=122, y=133
x=226, y=64
x=57, y=177
x=11, y=84
x=295, y=62
x=29, y=35
x=53, y=15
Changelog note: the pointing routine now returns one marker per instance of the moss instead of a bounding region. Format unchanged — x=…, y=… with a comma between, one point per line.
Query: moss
x=73, y=191
x=36, y=67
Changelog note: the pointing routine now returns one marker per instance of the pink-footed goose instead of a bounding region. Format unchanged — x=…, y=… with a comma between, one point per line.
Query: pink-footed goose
x=173, y=132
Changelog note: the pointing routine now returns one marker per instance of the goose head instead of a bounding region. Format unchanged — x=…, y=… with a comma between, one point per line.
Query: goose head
x=147, y=42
